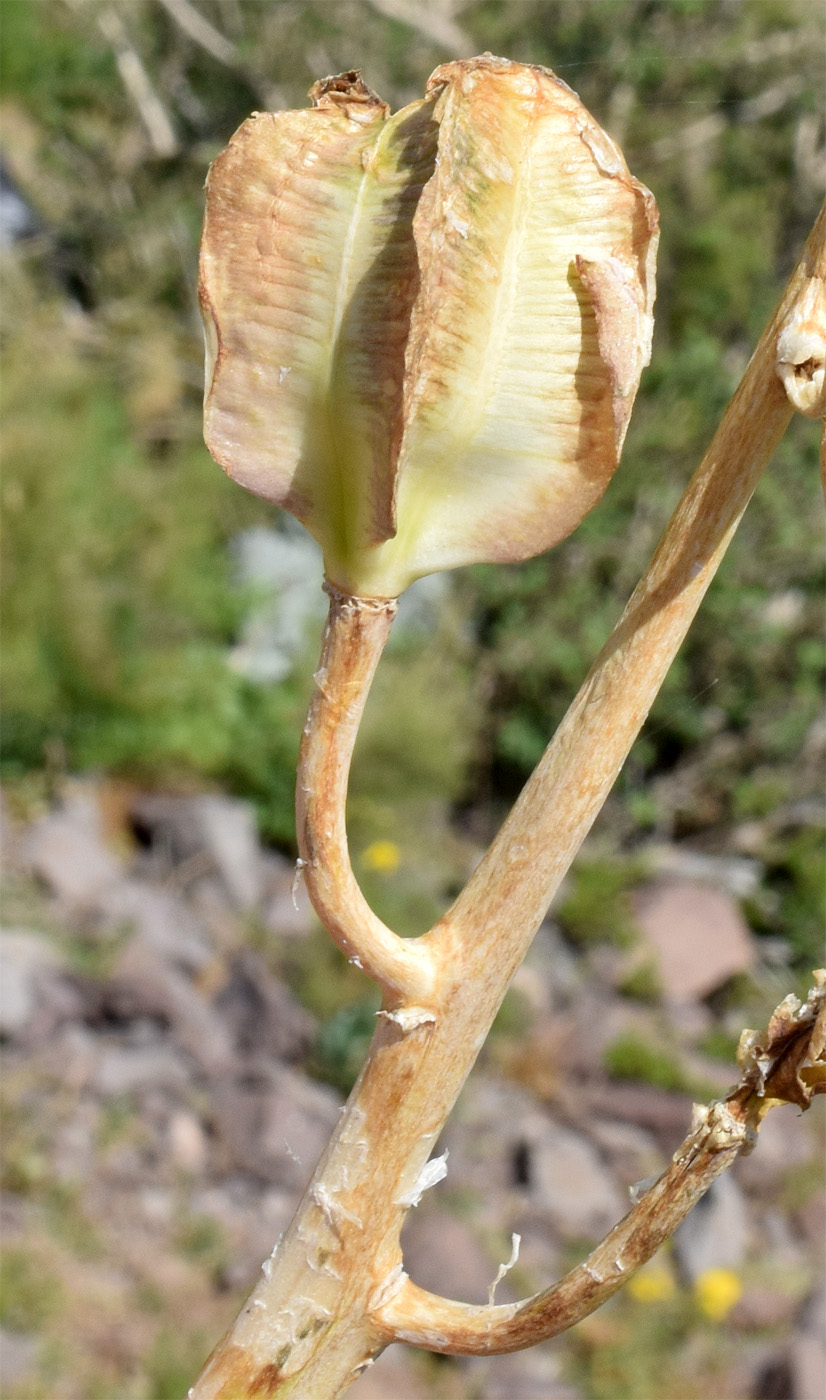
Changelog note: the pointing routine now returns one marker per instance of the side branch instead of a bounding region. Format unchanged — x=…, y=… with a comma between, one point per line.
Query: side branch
x=786, y=1064
x=354, y=638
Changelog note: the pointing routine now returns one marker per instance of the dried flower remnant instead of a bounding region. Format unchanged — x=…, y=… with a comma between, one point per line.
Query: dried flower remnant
x=425, y=331
x=801, y=357
x=801, y=351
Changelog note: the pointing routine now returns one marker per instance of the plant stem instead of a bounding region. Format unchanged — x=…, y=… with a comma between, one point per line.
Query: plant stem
x=335, y=1292
x=718, y=1135
x=354, y=638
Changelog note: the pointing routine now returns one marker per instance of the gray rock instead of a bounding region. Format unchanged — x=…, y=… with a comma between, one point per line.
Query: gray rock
x=667, y=1116
x=761, y=1309
x=18, y=1359
x=443, y=1255
x=550, y=978
x=777, y=1236
x=486, y=1134
x=207, y=832
x=261, y=1015
x=63, y=1001
x=230, y=834
x=274, y=1123
x=697, y=935
x=567, y=1176
x=813, y=1313
x=284, y=570
x=595, y=1020
x=737, y=875
x=24, y=960
x=145, y=985
x=535, y=1374
x=188, y=1148
x=393, y=1376
x=810, y=1219
x=162, y=920
x=540, y=1252
x=157, y=1204
x=631, y=1153
x=807, y=1356
x=251, y=1219
x=75, y=1142
x=71, y=1054
x=128, y=1069
x=67, y=850
x=785, y=1142
x=716, y=1233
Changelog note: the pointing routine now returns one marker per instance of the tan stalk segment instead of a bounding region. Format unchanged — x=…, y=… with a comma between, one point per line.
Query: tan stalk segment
x=785, y=1065
x=354, y=638
x=531, y=853
x=334, y=1292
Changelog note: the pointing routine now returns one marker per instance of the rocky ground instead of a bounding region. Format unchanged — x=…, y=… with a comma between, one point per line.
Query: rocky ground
x=164, y=1105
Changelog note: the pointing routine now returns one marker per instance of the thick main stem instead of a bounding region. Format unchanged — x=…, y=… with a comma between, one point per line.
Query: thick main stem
x=335, y=1293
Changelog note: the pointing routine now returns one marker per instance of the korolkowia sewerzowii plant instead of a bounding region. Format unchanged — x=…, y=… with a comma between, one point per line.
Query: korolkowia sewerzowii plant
x=425, y=332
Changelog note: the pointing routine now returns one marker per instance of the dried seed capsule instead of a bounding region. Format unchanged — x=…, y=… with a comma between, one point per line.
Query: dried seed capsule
x=425, y=331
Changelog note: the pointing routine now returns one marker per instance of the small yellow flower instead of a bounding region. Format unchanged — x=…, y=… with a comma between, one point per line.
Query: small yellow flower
x=655, y=1285
x=383, y=856
x=716, y=1291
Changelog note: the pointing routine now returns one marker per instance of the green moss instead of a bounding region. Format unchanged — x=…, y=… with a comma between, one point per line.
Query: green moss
x=513, y=1017
x=719, y=1045
x=597, y=908
x=68, y=1222
x=632, y=1057
x=319, y=974
x=802, y=1184
x=29, y=1294
x=118, y=1117
x=149, y=1298
x=641, y=1351
x=343, y=1043
x=201, y=1239
x=24, y=1164
x=175, y=1359
x=642, y=983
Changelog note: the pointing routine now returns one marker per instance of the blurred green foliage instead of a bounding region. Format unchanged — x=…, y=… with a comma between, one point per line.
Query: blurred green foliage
x=29, y=1293
x=174, y=1360
x=343, y=1043
x=631, y=1056
x=120, y=601
x=595, y=908
x=642, y=1349
x=642, y=983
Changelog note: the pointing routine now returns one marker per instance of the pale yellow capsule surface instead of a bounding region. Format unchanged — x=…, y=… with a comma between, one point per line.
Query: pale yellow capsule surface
x=425, y=331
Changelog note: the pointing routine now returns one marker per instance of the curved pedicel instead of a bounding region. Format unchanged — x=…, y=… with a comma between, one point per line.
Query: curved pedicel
x=354, y=638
